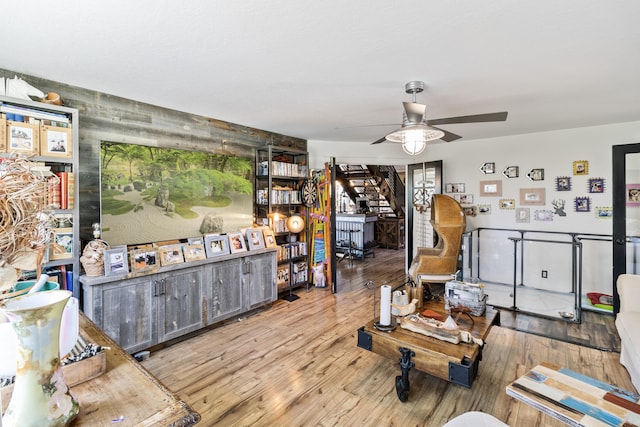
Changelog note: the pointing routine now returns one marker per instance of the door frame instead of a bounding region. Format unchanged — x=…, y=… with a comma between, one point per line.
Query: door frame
x=619, y=240
x=437, y=165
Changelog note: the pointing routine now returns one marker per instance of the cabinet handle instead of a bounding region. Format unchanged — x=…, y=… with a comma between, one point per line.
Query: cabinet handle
x=155, y=288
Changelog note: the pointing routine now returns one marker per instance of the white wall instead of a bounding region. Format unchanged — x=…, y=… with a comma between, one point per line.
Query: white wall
x=555, y=152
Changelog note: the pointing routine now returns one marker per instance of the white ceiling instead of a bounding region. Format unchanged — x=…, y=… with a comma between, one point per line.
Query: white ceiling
x=322, y=70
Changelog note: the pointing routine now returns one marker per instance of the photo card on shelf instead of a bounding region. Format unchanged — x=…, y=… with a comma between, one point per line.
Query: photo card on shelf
x=171, y=254
x=194, y=252
x=236, y=242
x=61, y=243
x=56, y=141
x=269, y=238
x=115, y=261
x=23, y=138
x=144, y=259
x=255, y=238
x=216, y=245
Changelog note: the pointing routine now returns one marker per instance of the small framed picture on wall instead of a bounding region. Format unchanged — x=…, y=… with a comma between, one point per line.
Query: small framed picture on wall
x=633, y=195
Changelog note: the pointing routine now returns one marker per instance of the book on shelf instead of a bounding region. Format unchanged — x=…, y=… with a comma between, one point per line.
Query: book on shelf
x=64, y=189
x=71, y=184
x=19, y=110
x=61, y=191
x=53, y=193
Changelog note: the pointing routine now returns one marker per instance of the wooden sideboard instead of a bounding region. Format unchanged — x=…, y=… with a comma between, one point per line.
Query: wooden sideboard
x=141, y=311
x=125, y=392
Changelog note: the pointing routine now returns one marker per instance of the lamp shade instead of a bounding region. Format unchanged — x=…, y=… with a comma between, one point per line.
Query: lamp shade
x=414, y=137
x=295, y=223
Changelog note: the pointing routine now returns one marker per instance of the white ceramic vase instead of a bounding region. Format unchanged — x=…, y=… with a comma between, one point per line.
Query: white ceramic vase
x=40, y=395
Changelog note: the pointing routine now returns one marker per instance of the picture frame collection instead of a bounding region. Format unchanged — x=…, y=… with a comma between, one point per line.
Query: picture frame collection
x=537, y=196
x=122, y=260
x=47, y=138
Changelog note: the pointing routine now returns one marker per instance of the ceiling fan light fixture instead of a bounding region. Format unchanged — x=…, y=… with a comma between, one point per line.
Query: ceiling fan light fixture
x=413, y=148
x=414, y=137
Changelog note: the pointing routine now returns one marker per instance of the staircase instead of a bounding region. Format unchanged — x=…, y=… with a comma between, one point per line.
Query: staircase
x=380, y=185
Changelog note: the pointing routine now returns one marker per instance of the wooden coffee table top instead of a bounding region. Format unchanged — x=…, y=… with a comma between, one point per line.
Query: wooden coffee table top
x=574, y=398
x=432, y=354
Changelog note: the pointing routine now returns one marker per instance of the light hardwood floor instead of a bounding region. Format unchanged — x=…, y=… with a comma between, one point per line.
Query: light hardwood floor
x=297, y=364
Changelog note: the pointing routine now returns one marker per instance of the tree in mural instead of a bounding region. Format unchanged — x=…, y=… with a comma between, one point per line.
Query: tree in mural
x=174, y=180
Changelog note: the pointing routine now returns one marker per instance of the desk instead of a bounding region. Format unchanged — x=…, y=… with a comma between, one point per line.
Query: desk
x=457, y=363
x=575, y=399
x=125, y=389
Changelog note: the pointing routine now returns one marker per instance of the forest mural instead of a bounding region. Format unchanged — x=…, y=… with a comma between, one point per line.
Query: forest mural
x=151, y=194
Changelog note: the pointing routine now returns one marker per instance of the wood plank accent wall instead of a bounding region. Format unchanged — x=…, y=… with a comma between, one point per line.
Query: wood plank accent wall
x=105, y=117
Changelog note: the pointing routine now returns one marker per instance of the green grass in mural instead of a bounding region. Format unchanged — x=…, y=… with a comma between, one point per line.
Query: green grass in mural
x=133, y=177
x=113, y=206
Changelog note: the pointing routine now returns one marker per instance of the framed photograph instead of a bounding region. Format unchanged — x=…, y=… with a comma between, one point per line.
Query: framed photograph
x=523, y=215
x=196, y=240
x=464, y=199
x=216, y=245
x=596, y=185
x=470, y=210
x=171, y=254
x=536, y=174
x=488, y=168
x=269, y=238
x=61, y=244
x=563, y=183
x=454, y=188
x=507, y=203
x=115, y=261
x=194, y=252
x=56, y=141
x=255, y=238
x=491, y=188
x=581, y=167
x=633, y=195
x=23, y=138
x=484, y=209
x=511, y=171
x=604, y=212
x=532, y=196
x=543, y=215
x=583, y=204
x=144, y=259
x=236, y=242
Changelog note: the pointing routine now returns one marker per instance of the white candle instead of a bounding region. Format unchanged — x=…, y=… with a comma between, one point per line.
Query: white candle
x=385, y=305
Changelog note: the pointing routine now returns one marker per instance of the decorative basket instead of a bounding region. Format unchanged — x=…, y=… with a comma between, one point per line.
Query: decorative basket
x=92, y=258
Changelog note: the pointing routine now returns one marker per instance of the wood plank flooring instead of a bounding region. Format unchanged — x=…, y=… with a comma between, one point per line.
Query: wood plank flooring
x=297, y=363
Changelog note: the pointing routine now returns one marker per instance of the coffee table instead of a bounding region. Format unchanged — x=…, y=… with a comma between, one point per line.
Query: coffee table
x=574, y=398
x=457, y=363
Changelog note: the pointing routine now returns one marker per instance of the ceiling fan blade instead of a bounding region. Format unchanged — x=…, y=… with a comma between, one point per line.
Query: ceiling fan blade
x=448, y=136
x=383, y=139
x=476, y=118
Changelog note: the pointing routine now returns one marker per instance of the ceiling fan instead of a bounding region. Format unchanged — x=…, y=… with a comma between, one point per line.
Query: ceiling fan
x=416, y=129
